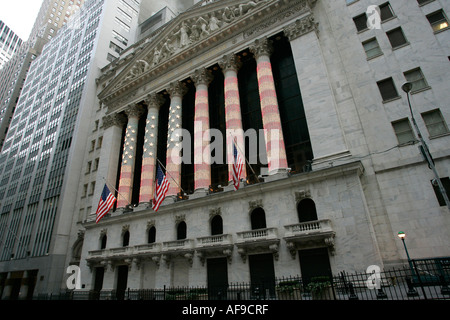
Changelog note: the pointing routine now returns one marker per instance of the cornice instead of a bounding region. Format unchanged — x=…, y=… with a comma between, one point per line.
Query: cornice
x=251, y=193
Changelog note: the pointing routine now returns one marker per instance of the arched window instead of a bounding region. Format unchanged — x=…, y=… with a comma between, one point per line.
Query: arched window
x=103, y=242
x=152, y=235
x=258, y=219
x=306, y=210
x=216, y=225
x=181, y=230
x=126, y=238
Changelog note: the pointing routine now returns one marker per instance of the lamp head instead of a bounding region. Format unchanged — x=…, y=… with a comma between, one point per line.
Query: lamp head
x=401, y=235
x=407, y=87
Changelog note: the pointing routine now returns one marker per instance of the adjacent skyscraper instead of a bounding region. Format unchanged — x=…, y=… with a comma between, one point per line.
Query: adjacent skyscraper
x=9, y=43
x=40, y=160
x=52, y=15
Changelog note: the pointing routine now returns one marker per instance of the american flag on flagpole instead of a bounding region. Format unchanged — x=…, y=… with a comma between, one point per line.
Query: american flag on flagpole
x=162, y=185
x=237, y=167
x=106, y=202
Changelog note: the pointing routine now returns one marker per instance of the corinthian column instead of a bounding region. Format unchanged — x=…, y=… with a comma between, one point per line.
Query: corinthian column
x=128, y=157
x=173, y=160
x=233, y=119
x=276, y=153
x=154, y=101
x=202, y=167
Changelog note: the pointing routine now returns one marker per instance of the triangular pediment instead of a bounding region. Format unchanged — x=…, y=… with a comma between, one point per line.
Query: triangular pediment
x=199, y=27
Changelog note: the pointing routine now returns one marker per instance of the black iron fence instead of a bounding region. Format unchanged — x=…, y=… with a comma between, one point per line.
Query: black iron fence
x=420, y=280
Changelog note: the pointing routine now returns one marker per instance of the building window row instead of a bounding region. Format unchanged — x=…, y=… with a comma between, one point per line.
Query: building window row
x=438, y=20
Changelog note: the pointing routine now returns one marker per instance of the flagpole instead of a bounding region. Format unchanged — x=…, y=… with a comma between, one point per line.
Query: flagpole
x=170, y=175
x=235, y=143
x=118, y=193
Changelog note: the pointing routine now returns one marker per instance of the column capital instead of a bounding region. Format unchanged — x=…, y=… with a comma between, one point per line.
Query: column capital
x=177, y=88
x=300, y=27
x=154, y=100
x=230, y=61
x=114, y=119
x=134, y=110
x=261, y=47
x=202, y=76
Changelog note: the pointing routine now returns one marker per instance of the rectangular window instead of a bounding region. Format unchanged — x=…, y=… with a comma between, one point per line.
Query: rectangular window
x=120, y=38
x=438, y=21
x=417, y=79
x=115, y=47
x=110, y=57
x=437, y=191
x=396, y=37
x=122, y=24
x=386, y=11
x=360, y=22
x=403, y=131
x=422, y=2
x=387, y=89
x=435, y=123
x=372, y=48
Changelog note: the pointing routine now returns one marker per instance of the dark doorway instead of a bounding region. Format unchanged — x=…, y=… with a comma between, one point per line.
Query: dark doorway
x=122, y=278
x=217, y=273
x=15, y=282
x=98, y=281
x=306, y=210
x=258, y=219
x=262, y=275
x=32, y=277
x=181, y=231
x=152, y=235
x=216, y=225
x=103, y=242
x=314, y=263
x=126, y=238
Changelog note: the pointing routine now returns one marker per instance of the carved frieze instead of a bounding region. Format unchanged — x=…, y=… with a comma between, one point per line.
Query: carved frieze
x=301, y=27
x=204, y=26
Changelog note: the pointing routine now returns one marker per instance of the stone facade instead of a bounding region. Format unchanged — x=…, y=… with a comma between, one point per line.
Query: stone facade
x=364, y=185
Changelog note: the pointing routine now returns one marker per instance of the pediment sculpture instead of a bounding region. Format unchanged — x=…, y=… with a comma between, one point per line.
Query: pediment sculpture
x=186, y=33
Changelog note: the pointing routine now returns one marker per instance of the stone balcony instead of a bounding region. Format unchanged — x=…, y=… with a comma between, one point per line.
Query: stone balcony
x=258, y=241
x=216, y=245
x=309, y=235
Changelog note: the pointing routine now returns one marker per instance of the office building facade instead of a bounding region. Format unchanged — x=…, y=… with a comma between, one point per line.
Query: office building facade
x=40, y=164
x=9, y=43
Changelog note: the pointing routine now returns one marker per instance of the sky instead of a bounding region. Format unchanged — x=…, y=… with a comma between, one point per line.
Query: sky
x=19, y=15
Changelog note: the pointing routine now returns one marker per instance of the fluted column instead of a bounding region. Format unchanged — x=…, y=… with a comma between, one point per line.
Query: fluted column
x=173, y=160
x=128, y=157
x=233, y=119
x=202, y=167
x=276, y=153
x=154, y=102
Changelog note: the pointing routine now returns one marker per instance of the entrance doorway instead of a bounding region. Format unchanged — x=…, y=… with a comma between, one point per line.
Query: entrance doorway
x=262, y=275
x=98, y=280
x=217, y=274
x=314, y=263
x=122, y=277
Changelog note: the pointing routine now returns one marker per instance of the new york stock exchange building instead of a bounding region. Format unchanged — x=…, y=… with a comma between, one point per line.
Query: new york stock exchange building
x=276, y=78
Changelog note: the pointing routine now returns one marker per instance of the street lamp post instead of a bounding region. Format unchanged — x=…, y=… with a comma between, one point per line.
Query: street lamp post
x=407, y=88
x=411, y=292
